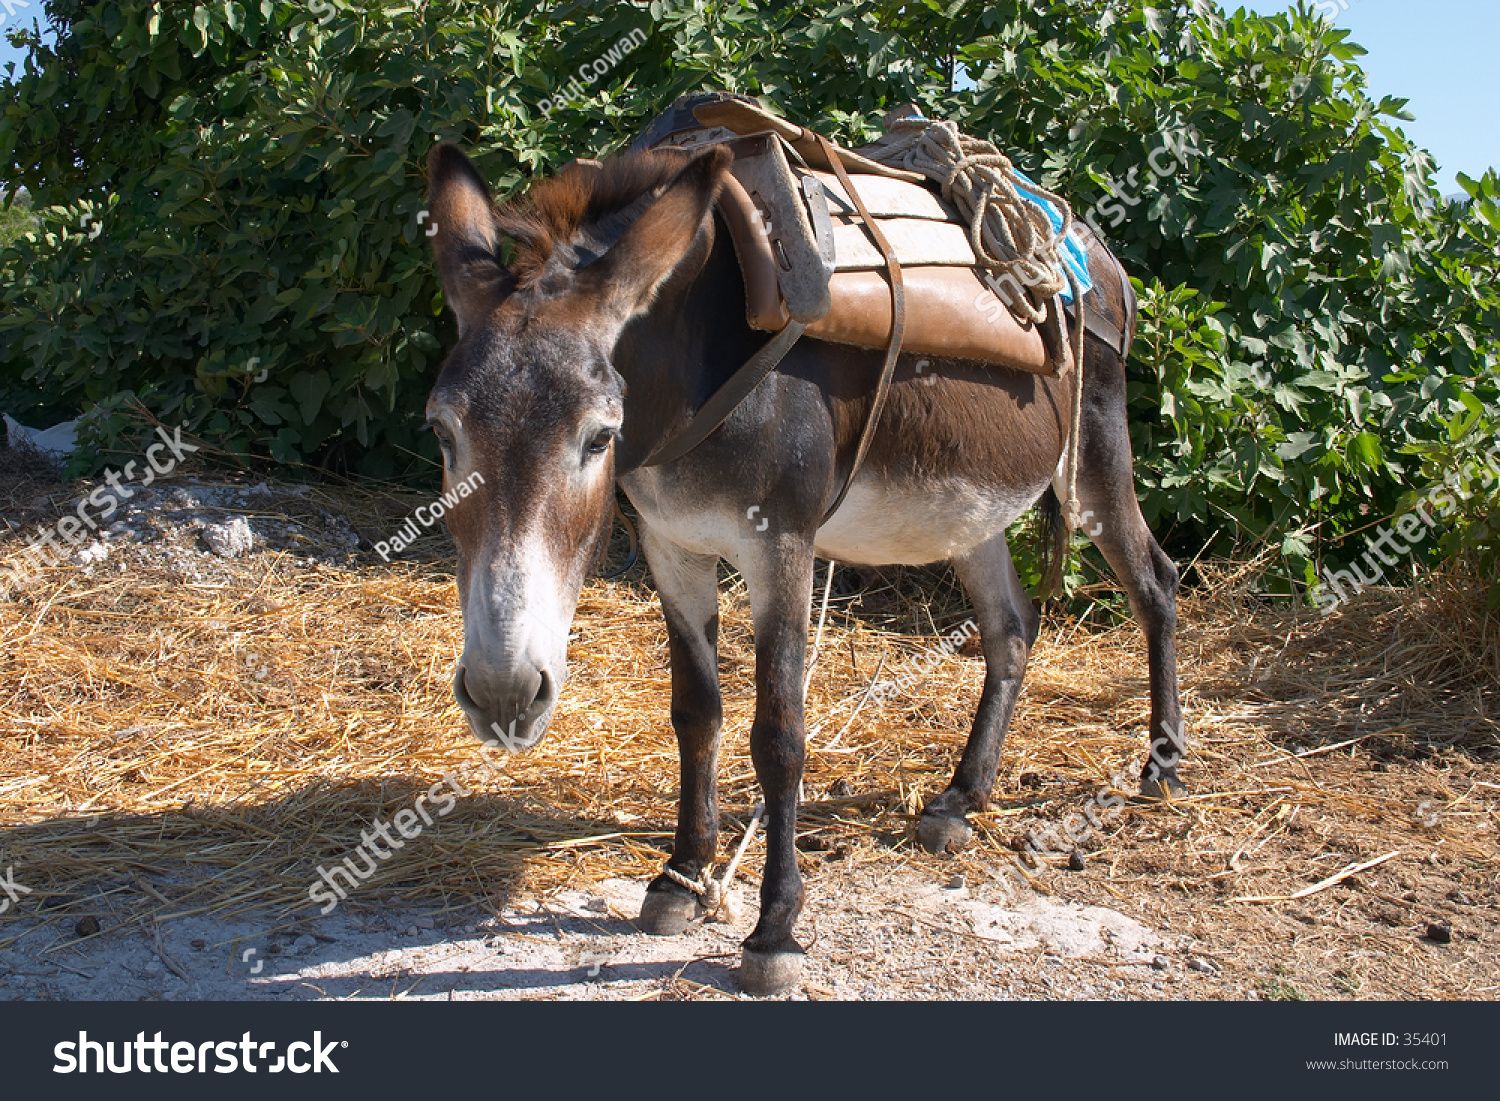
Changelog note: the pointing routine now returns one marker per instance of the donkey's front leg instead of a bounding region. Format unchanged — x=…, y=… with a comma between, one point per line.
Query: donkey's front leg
x=780, y=598
x=688, y=586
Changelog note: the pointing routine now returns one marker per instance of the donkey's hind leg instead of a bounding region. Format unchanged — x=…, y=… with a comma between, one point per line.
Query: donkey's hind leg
x=1112, y=518
x=1007, y=627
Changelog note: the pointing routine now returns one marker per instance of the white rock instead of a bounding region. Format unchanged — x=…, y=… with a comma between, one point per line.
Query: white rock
x=229, y=539
x=59, y=441
x=1066, y=929
x=94, y=552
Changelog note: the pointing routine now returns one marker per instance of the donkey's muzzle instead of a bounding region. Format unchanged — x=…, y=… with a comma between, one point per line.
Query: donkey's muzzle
x=508, y=708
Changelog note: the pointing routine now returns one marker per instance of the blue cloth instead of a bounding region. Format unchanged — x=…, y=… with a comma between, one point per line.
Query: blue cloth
x=1073, y=253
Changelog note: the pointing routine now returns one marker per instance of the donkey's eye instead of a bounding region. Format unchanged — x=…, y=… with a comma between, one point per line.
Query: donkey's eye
x=445, y=441
x=600, y=443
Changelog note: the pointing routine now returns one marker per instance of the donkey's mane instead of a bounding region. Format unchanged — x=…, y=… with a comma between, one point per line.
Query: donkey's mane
x=602, y=197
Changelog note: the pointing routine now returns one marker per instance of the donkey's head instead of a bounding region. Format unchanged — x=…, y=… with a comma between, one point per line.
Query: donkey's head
x=529, y=401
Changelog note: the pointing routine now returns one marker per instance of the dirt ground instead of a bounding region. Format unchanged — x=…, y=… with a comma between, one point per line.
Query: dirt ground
x=186, y=738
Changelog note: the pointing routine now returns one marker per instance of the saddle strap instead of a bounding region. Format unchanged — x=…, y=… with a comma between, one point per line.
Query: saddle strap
x=898, y=322
x=1094, y=322
x=715, y=411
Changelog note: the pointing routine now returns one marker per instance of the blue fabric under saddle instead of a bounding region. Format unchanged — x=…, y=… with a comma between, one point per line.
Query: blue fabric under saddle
x=1073, y=253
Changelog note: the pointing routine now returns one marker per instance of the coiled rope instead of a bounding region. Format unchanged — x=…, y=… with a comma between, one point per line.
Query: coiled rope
x=1009, y=232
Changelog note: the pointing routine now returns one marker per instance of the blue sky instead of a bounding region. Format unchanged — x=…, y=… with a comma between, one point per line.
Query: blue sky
x=15, y=15
x=1438, y=54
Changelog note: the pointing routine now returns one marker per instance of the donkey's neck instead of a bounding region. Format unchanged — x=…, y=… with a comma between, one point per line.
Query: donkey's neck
x=684, y=348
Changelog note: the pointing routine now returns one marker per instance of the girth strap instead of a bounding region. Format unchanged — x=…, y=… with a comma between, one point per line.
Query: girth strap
x=898, y=322
x=715, y=411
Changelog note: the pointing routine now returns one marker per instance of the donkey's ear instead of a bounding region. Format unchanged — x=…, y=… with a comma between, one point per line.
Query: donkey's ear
x=627, y=277
x=465, y=239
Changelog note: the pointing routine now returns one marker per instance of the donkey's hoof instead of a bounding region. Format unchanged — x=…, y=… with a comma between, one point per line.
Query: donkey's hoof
x=939, y=834
x=1161, y=787
x=763, y=974
x=667, y=913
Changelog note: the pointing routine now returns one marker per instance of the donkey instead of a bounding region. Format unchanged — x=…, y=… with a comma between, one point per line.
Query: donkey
x=620, y=310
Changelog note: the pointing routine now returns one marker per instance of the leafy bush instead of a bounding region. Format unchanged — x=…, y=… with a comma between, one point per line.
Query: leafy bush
x=1314, y=315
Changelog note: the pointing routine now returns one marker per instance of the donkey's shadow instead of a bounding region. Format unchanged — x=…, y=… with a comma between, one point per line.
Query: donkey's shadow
x=159, y=903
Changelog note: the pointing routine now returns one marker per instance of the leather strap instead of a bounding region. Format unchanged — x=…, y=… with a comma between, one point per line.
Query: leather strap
x=1094, y=322
x=715, y=411
x=898, y=321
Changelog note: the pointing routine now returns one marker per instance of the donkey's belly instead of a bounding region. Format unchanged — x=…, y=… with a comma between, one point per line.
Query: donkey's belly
x=894, y=524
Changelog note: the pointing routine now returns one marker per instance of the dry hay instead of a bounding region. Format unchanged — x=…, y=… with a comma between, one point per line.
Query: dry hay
x=171, y=748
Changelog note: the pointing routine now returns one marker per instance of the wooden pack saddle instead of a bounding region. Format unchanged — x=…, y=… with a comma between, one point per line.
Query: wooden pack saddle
x=806, y=256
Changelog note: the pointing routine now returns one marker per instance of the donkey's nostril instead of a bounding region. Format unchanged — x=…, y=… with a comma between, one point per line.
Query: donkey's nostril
x=517, y=692
x=511, y=705
x=546, y=694
x=461, y=693
x=525, y=691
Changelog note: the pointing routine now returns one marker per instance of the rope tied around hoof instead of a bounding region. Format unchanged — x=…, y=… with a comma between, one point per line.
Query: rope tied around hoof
x=713, y=894
x=710, y=893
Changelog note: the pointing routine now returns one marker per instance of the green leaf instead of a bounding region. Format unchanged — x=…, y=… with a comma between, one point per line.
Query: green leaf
x=310, y=388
